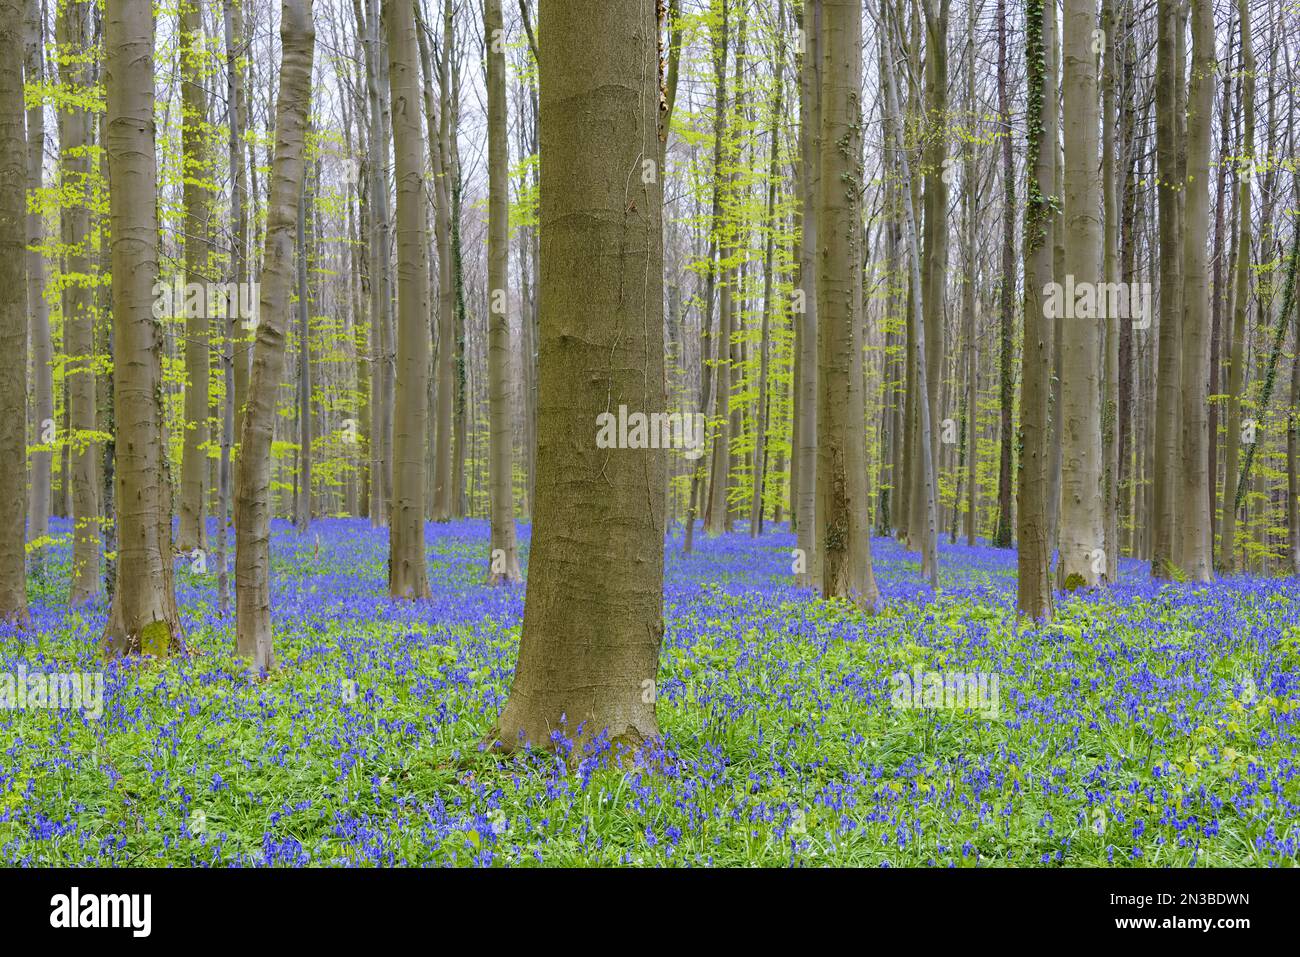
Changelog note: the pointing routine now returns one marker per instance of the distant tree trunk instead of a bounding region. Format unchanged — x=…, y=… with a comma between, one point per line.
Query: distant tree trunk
x=381, y=347
x=443, y=380
x=715, y=513
x=143, y=618
x=252, y=496
x=1034, y=552
x=934, y=251
x=13, y=318
x=192, y=532
x=1197, y=497
x=593, y=619
x=1110, y=270
x=809, y=137
x=1241, y=298
x=1052, y=120
x=968, y=297
x=72, y=31
x=504, y=555
x=760, y=429
x=233, y=364
x=302, y=506
x=922, y=446
x=42, y=347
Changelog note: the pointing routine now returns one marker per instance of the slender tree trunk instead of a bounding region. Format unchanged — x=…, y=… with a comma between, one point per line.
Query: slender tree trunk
x=593, y=618
x=302, y=504
x=252, y=496
x=922, y=446
x=1006, y=298
x=1241, y=297
x=806, y=314
x=1110, y=271
x=504, y=556
x=968, y=297
x=42, y=347
x=1034, y=552
x=72, y=31
x=192, y=532
x=715, y=513
x=760, y=429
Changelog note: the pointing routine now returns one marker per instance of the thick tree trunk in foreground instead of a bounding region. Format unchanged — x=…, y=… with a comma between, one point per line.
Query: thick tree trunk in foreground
x=1197, y=500
x=504, y=554
x=143, y=619
x=13, y=319
x=593, y=620
x=844, y=531
x=1082, y=532
x=253, y=489
x=407, y=574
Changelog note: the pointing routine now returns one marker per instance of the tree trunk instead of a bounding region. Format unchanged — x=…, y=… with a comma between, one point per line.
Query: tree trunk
x=1197, y=501
x=1006, y=299
x=42, y=347
x=504, y=556
x=252, y=497
x=1034, y=552
x=1082, y=532
x=143, y=618
x=72, y=31
x=593, y=618
x=1241, y=298
x=13, y=318
x=1169, y=375
x=191, y=532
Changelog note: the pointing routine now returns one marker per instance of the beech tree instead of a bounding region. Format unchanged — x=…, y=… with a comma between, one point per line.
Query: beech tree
x=143, y=618
x=252, y=495
x=407, y=573
x=504, y=554
x=13, y=317
x=593, y=615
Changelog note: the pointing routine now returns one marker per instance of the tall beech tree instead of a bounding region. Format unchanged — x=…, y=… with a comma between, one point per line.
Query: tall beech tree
x=13, y=317
x=1082, y=532
x=504, y=554
x=143, y=618
x=407, y=573
x=253, y=487
x=72, y=33
x=1197, y=499
x=191, y=531
x=844, y=530
x=593, y=616
x=1034, y=554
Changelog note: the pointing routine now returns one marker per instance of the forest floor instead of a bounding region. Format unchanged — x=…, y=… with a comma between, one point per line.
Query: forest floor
x=1147, y=726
